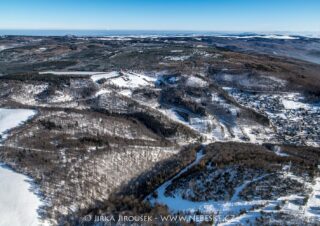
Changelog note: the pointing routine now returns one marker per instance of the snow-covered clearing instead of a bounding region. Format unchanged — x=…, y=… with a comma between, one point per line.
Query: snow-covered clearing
x=10, y=118
x=28, y=93
x=177, y=58
x=102, y=91
x=18, y=204
x=291, y=104
x=60, y=97
x=126, y=92
x=98, y=76
x=134, y=80
x=193, y=81
x=40, y=50
x=3, y=48
x=70, y=72
x=125, y=79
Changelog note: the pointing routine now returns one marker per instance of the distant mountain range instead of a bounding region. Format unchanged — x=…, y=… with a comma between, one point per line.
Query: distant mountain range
x=148, y=33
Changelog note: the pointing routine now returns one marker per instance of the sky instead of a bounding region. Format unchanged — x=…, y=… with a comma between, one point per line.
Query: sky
x=193, y=15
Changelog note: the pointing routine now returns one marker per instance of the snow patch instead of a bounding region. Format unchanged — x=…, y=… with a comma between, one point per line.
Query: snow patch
x=101, y=92
x=126, y=92
x=177, y=58
x=291, y=104
x=60, y=97
x=70, y=72
x=193, y=81
x=98, y=76
x=10, y=118
x=18, y=204
x=2, y=47
x=132, y=80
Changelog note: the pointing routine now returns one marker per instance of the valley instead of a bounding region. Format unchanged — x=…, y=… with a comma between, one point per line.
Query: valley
x=158, y=125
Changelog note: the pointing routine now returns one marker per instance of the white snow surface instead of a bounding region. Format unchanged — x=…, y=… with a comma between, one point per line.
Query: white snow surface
x=177, y=58
x=125, y=79
x=61, y=97
x=101, y=92
x=70, y=72
x=10, y=118
x=98, y=76
x=291, y=104
x=193, y=81
x=3, y=47
x=18, y=204
x=132, y=80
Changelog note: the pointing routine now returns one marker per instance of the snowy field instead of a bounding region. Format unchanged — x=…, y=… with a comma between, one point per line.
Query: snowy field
x=98, y=76
x=10, y=118
x=2, y=48
x=125, y=79
x=177, y=58
x=69, y=73
x=18, y=204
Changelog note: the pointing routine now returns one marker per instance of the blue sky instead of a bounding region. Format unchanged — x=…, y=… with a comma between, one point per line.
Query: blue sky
x=205, y=15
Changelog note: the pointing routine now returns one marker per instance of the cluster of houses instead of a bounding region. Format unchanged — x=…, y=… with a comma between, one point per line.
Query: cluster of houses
x=297, y=125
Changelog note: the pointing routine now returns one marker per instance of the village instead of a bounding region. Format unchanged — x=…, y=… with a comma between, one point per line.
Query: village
x=295, y=122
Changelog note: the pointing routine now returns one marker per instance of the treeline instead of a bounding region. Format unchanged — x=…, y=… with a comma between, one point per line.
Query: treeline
x=45, y=65
x=257, y=157
x=35, y=76
x=303, y=159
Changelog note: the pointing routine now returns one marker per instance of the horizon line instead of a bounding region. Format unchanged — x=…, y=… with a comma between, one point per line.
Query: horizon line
x=147, y=29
